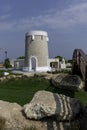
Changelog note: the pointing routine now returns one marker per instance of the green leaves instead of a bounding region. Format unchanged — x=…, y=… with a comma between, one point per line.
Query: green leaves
x=7, y=63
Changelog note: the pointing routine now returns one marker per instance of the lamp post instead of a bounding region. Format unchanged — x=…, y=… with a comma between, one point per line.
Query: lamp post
x=5, y=54
x=0, y=53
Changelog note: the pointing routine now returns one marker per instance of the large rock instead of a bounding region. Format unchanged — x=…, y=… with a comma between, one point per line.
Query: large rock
x=45, y=104
x=83, y=119
x=11, y=116
x=2, y=78
x=67, y=82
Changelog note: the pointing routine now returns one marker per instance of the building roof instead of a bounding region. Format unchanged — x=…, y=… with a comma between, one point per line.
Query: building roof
x=36, y=32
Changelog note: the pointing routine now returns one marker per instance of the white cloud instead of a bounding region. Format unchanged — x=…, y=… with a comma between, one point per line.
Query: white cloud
x=73, y=15
x=5, y=16
x=76, y=14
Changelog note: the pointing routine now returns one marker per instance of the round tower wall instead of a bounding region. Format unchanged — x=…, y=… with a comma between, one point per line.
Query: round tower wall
x=36, y=45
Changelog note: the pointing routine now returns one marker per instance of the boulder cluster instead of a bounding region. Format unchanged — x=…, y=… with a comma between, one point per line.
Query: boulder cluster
x=8, y=77
x=47, y=110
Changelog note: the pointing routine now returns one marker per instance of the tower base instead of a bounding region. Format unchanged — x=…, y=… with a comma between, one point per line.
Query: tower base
x=38, y=69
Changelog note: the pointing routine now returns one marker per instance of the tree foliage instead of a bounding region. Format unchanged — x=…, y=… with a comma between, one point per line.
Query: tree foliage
x=7, y=63
x=60, y=58
x=21, y=57
x=70, y=61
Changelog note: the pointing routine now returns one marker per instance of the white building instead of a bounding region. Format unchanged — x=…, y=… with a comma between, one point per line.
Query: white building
x=36, y=51
x=54, y=64
x=36, y=54
x=18, y=64
x=62, y=64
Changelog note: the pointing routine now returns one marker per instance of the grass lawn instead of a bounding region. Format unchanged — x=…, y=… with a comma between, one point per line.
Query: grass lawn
x=22, y=90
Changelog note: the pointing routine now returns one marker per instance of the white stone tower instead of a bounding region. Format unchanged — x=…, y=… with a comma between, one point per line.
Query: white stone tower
x=36, y=51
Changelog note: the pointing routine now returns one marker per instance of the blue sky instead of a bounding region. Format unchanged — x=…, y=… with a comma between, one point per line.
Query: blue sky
x=64, y=20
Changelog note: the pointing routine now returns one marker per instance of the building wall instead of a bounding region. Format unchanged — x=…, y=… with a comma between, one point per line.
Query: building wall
x=36, y=45
x=37, y=48
x=19, y=64
x=63, y=64
x=54, y=63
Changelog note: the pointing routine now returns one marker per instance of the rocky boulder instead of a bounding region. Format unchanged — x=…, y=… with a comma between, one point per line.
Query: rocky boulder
x=67, y=82
x=2, y=78
x=83, y=119
x=46, y=104
x=11, y=116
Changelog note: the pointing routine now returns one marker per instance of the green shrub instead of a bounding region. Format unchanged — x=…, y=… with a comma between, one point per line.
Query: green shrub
x=7, y=63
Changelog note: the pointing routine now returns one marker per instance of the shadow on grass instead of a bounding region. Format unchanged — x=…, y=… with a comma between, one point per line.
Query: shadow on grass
x=61, y=91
